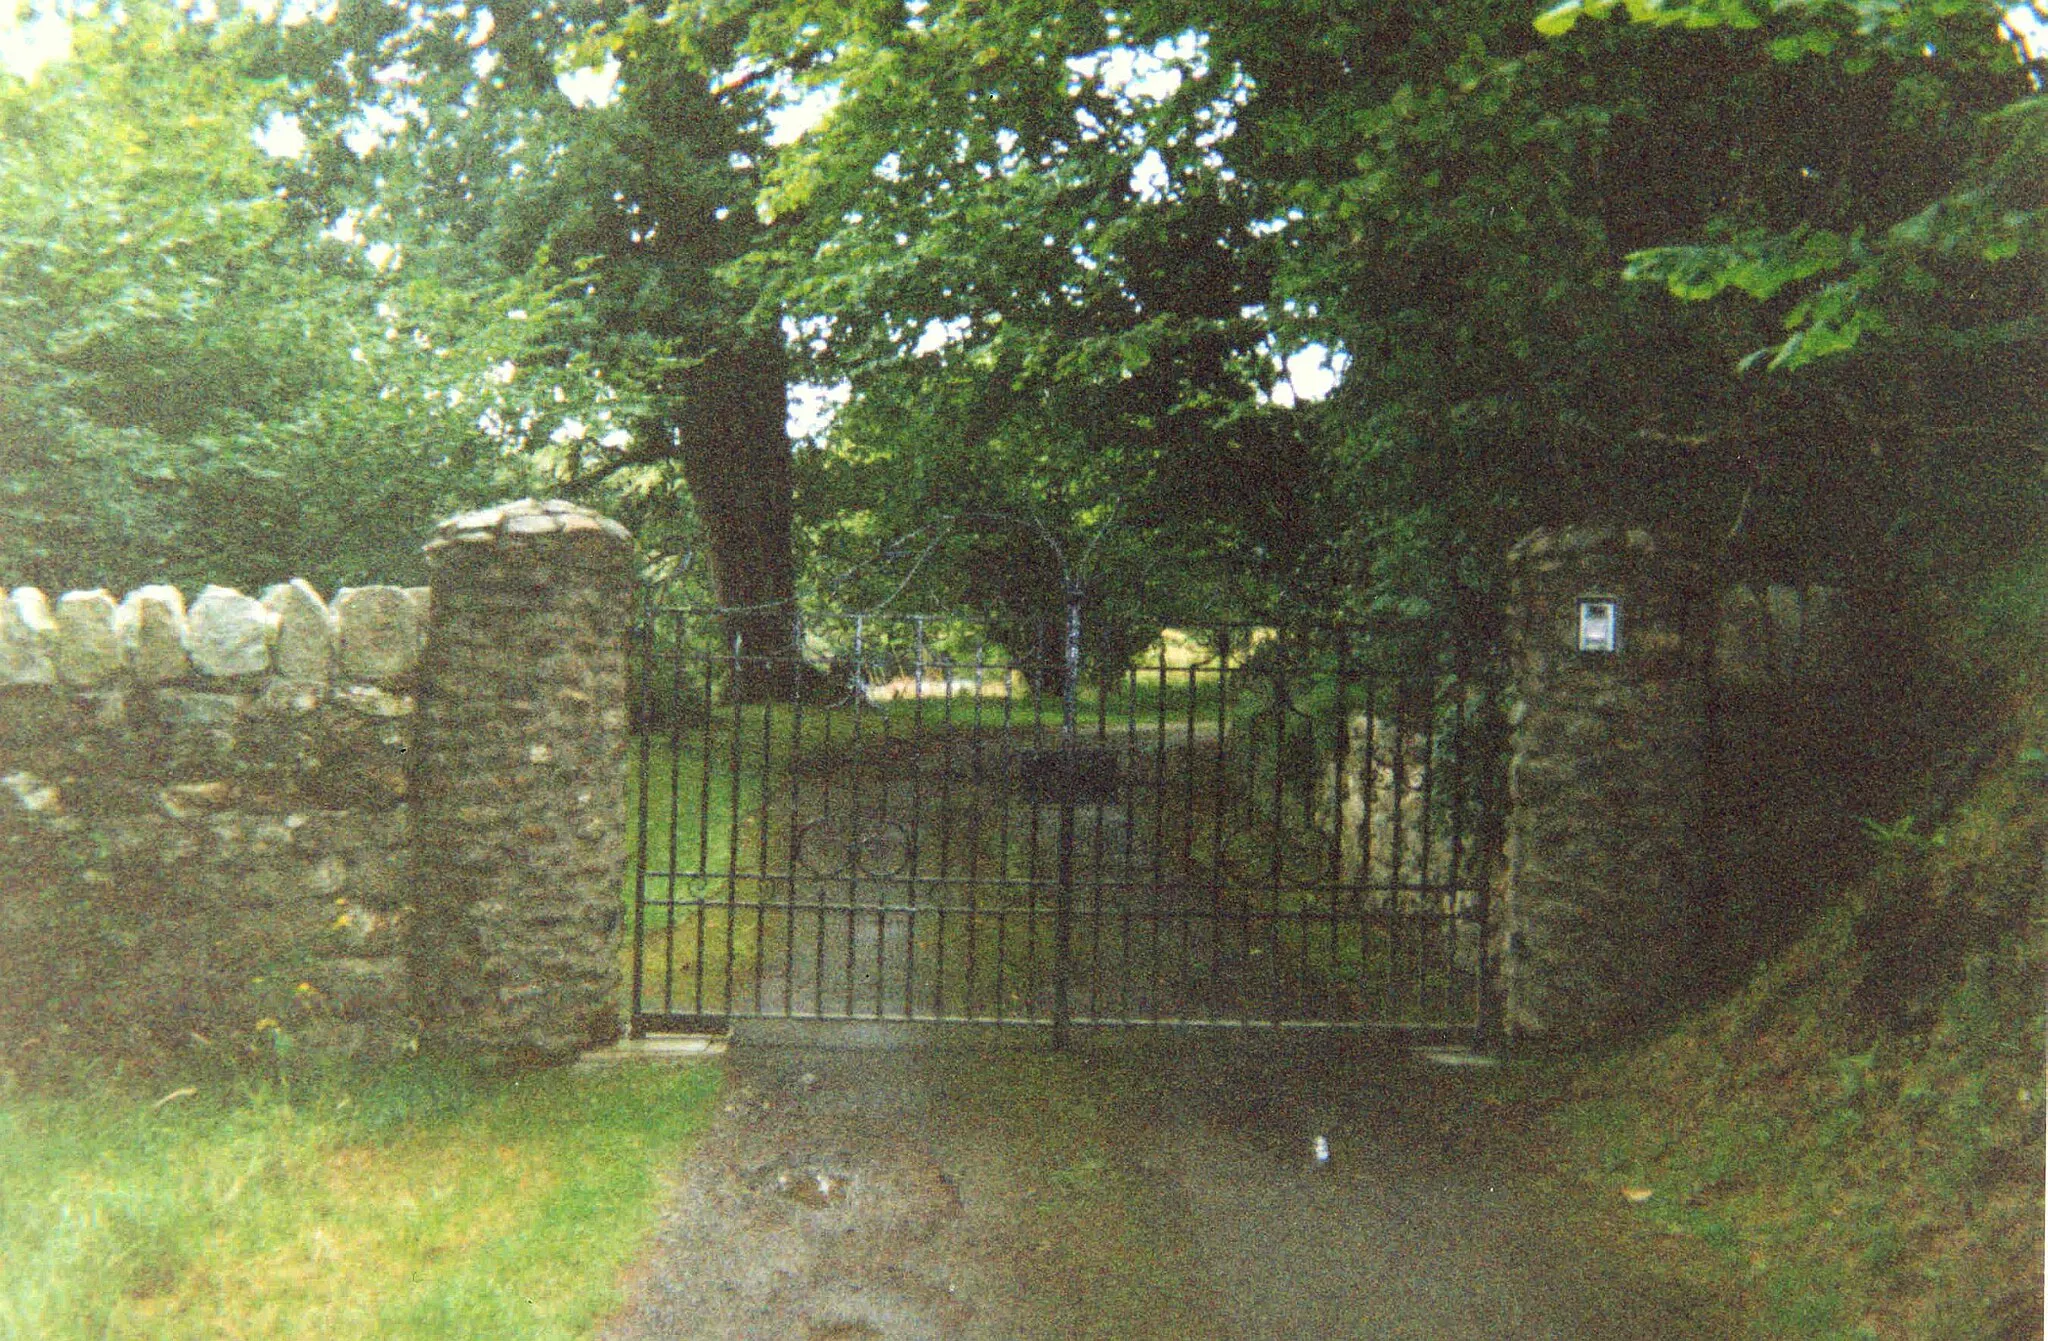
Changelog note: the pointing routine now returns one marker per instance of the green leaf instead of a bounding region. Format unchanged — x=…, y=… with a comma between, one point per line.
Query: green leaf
x=1561, y=18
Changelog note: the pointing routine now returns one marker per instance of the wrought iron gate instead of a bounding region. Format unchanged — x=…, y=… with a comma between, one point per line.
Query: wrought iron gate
x=1243, y=827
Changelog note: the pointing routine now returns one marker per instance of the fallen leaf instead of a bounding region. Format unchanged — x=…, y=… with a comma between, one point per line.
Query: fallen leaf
x=1637, y=1194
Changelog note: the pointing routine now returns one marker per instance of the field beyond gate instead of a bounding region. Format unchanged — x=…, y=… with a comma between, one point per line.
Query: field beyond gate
x=1285, y=836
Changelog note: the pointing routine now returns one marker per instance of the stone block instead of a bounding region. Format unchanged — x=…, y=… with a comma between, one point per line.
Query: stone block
x=1741, y=653
x=382, y=632
x=86, y=652
x=1827, y=652
x=28, y=634
x=286, y=698
x=306, y=632
x=194, y=800
x=150, y=623
x=34, y=795
x=1785, y=616
x=194, y=709
x=371, y=701
x=229, y=634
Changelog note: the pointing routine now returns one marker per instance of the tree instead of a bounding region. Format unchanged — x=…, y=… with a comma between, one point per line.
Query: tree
x=1444, y=197
x=624, y=211
x=195, y=389
x=1989, y=233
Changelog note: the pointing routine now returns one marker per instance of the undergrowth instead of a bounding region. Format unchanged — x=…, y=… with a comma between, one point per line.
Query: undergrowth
x=1858, y=1135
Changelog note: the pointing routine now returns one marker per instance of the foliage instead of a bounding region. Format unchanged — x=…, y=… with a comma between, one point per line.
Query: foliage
x=650, y=385
x=1041, y=284
x=1963, y=266
x=195, y=388
x=1055, y=256
x=419, y=1200
x=1444, y=198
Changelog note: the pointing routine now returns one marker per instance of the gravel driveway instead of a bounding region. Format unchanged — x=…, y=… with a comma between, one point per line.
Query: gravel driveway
x=980, y=1187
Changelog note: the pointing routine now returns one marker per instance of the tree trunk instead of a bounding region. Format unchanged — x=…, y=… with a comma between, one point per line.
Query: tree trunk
x=734, y=445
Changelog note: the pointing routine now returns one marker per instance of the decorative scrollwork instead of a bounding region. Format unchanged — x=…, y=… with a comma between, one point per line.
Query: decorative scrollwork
x=861, y=847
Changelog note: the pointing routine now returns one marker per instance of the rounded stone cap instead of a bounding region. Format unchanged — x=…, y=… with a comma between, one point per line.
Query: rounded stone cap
x=1553, y=541
x=524, y=522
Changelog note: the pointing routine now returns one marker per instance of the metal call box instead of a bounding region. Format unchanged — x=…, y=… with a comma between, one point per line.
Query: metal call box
x=1599, y=624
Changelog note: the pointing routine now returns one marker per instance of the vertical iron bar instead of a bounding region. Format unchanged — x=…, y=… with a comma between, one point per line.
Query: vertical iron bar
x=1339, y=793
x=1220, y=807
x=1128, y=887
x=1159, y=934
x=940, y=886
x=1003, y=857
x=1423, y=843
x=1102, y=814
x=1275, y=862
x=675, y=821
x=700, y=886
x=643, y=724
x=977, y=797
x=824, y=823
x=762, y=806
x=796, y=746
x=1490, y=819
x=1371, y=776
x=732, y=831
x=850, y=849
x=883, y=824
x=1185, y=884
x=1036, y=834
x=1063, y=906
x=1400, y=788
x=1460, y=794
x=916, y=853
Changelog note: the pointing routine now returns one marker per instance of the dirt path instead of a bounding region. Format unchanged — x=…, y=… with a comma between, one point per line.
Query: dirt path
x=1159, y=1190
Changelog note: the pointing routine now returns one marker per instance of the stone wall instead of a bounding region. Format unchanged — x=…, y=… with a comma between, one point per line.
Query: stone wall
x=1771, y=637
x=204, y=817
x=348, y=826
x=1804, y=717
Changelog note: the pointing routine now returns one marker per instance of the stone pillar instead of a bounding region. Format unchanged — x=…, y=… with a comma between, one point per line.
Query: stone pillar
x=1606, y=783
x=520, y=782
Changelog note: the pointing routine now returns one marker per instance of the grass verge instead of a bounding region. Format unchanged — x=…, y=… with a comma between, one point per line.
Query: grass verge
x=424, y=1200
x=1856, y=1139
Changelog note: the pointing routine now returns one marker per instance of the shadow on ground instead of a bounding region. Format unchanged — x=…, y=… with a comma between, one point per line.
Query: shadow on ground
x=1163, y=1187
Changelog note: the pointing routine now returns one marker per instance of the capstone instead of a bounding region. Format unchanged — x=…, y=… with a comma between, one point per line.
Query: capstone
x=228, y=633
x=87, y=652
x=150, y=624
x=305, y=631
x=27, y=635
x=381, y=632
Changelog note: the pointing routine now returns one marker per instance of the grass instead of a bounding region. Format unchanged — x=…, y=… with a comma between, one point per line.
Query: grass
x=1856, y=1139
x=423, y=1200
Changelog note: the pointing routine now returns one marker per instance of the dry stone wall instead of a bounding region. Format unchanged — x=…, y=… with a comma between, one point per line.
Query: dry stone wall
x=204, y=819
x=211, y=822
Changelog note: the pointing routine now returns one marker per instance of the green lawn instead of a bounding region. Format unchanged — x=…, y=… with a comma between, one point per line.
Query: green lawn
x=425, y=1200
